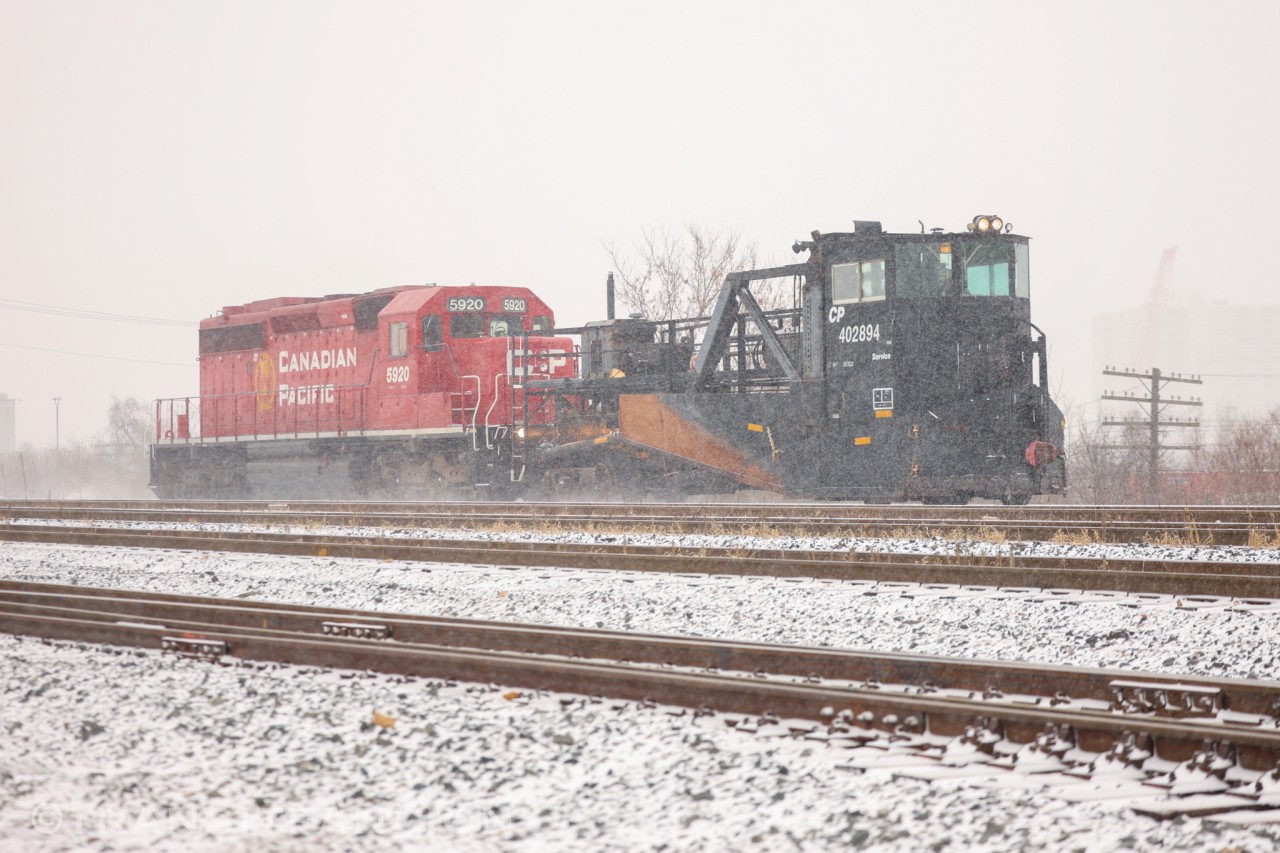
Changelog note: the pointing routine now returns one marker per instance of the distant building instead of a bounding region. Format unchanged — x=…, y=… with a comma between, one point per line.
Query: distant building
x=1235, y=348
x=8, y=422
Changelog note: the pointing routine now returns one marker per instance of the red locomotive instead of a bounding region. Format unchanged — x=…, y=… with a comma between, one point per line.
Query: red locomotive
x=380, y=391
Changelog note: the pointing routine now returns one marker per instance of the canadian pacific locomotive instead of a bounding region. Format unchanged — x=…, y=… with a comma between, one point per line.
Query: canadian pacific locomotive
x=905, y=367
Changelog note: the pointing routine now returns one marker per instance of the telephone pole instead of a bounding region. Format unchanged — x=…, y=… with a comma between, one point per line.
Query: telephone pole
x=1154, y=381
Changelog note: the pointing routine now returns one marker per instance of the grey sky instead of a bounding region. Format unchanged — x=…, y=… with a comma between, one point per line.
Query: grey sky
x=165, y=159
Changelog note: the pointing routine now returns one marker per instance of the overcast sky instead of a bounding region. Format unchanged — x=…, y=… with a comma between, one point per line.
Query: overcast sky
x=164, y=159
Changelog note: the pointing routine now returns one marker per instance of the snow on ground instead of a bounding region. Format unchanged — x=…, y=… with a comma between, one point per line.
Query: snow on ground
x=1151, y=634
x=105, y=748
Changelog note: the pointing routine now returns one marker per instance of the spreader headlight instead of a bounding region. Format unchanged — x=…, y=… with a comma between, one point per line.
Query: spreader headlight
x=987, y=224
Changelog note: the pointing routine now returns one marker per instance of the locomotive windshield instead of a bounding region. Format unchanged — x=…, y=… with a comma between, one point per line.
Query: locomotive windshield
x=501, y=325
x=432, y=332
x=466, y=325
x=485, y=325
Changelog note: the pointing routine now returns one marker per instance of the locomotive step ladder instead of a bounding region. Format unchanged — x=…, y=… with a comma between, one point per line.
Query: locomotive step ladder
x=517, y=380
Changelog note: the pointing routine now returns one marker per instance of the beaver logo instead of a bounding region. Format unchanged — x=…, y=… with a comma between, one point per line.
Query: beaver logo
x=262, y=375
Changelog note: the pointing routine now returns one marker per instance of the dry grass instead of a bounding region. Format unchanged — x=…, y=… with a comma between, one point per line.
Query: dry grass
x=1080, y=536
x=1262, y=539
x=954, y=534
x=989, y=534
x=1179, y=539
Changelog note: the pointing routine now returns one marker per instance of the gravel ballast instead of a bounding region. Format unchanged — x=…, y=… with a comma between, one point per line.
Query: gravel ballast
x=109, y=748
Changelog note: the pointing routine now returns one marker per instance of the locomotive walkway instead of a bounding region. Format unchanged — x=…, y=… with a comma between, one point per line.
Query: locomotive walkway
x=1192, y=525
x=1191, y=746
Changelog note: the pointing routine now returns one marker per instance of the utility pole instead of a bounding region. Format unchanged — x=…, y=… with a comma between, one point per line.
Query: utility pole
x=56, y=402
x=1154, y=381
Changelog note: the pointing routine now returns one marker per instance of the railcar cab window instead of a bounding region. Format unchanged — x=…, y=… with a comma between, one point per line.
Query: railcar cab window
x=861, y=281
x=432, y=332
x=923, y=269
x=466, y=325
x=399, y=346
x=986, y=269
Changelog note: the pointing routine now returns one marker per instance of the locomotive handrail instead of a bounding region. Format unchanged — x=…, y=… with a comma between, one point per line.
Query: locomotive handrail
x=347, y=415
x=475, y=410
x=461, y=378
x=488, y=442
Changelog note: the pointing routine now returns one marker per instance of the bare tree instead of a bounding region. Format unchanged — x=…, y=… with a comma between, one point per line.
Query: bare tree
x=1097, y=472
x=675, y=275
x=1242, y=465
x=128, y=423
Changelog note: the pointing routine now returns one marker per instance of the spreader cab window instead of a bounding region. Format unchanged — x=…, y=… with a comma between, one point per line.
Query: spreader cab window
x=1021, y=271
x=861, y=281
x=923, y=269
x=986, y=269
x=399, y=339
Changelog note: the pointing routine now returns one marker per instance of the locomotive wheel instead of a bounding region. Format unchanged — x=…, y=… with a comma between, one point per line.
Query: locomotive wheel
x=1016, y=499
x=360, y=470
x=946, y=500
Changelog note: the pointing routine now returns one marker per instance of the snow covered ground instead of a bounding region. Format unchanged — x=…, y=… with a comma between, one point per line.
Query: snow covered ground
x=107, y=748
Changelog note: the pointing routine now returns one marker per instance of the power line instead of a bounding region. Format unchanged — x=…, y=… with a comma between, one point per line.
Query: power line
x=1153, y=382
x=98, y=355
x=1243, y=375
x=19, y=305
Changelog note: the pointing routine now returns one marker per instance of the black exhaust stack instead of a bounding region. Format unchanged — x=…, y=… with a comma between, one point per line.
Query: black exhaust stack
x=609, y=297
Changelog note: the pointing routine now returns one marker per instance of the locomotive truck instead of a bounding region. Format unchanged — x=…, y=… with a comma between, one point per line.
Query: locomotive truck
x=905, y=367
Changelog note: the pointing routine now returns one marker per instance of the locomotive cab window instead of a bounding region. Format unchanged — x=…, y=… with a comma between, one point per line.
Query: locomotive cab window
x=466, y=325
x=542, y=323
x=399, y=346
x=501, y=325
x=986, y=269
x=861, y=281
x=432, y=332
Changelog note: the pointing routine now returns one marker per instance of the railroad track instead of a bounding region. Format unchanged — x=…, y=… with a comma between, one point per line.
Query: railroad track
x=1185, y=525
x=1191, y=746
x=1214, y=579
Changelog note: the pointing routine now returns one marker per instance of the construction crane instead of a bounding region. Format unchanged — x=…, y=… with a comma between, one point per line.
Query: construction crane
x=1157, y=307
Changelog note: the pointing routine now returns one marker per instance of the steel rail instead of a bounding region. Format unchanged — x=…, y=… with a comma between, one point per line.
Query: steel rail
x=1194, y=525
x=1187, y=578
x=929, y=673
x=1175, y=739
x=1267, y=514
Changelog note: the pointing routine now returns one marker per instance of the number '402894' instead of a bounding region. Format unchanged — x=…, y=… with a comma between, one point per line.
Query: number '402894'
x=859, y=334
